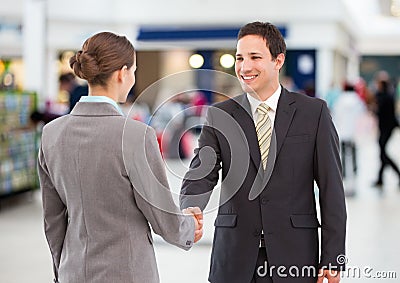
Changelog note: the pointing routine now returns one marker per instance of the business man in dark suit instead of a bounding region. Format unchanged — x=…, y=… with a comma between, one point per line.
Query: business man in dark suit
x=271, y=145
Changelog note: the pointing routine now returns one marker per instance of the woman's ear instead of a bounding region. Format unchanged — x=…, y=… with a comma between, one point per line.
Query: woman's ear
x=122, y=72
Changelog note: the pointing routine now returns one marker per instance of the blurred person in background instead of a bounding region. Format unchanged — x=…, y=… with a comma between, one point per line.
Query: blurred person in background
x=346, y=113
x=103, y=180
x=387, y=122
x=363, y=92
x=169, y=122
x=288, y=83
x=332, y=95
x=134, y=109
x=75, y=91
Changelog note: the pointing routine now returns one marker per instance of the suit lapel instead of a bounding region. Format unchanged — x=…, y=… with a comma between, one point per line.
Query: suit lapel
x=243, y=116
x=284, y=117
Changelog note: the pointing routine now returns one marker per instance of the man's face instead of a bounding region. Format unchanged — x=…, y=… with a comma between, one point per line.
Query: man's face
x=257, y=72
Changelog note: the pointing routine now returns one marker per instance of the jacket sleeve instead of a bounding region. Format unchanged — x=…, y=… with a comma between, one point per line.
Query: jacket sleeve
x=203, y=173
x=54, y=212
x=328, y=176
x=146, y=171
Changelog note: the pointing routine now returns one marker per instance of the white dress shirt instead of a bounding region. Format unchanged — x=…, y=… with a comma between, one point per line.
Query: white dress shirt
x=99, y=98
x=272, y=103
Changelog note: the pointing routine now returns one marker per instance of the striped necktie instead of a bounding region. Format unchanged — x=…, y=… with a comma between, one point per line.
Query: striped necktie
x=264, y=130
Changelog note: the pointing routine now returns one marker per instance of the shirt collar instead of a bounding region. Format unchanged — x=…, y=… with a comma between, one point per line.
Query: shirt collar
x=272, y=101
x=97, y=98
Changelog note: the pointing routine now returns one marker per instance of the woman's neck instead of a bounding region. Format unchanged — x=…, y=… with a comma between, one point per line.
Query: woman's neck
x=101, y=91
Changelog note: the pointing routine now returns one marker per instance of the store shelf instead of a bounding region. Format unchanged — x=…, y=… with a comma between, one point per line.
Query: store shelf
x=18, y=143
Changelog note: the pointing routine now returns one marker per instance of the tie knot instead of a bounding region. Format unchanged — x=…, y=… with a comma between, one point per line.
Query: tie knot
x=262, y=109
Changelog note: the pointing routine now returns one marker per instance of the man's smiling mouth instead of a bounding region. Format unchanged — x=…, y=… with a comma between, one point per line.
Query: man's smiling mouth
x=248, y=78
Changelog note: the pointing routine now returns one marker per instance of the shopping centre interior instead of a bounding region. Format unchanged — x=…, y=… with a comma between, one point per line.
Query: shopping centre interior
x=185, y=55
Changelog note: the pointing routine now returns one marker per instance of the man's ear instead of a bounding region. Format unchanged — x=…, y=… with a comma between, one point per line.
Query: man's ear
x=280, y=60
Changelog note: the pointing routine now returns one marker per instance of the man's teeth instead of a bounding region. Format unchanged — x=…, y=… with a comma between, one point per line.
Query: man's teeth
x=248, y=77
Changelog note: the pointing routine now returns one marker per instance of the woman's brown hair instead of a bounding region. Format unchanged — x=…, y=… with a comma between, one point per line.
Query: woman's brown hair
x=101, y=55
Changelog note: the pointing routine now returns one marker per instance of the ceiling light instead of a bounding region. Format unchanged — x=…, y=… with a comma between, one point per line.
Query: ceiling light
x=395, y=8
x=227, y=61
x=196, y=61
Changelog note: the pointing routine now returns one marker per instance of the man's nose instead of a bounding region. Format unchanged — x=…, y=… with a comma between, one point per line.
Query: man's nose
x=246, y=66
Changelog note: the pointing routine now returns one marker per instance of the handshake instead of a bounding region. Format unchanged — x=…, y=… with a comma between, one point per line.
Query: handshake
x=198, y=220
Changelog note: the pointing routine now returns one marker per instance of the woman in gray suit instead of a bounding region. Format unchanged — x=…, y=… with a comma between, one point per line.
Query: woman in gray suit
x=103, y=180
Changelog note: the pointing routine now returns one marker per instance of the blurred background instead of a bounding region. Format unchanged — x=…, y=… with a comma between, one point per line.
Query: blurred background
x=340, y=51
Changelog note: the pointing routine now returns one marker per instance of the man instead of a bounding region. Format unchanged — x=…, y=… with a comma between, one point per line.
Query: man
x=75, y=91
x=266, y=229
x=387, y=122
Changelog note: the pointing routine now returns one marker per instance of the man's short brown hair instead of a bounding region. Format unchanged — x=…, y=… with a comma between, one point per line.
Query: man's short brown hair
x=270, y=33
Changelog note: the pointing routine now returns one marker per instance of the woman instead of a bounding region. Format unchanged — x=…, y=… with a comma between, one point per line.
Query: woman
x=103, y=180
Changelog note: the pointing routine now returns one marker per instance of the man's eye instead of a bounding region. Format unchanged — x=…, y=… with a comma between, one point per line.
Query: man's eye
x=255, y=57
x=239, y=59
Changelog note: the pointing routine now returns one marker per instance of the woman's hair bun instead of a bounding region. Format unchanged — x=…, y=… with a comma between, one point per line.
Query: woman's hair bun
x=84, y=65
x=100, y=56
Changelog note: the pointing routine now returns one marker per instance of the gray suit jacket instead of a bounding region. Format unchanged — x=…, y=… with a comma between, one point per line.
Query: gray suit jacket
x=103, y=181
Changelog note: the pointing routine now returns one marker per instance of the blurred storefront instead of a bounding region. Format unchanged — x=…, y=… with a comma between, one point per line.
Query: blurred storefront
x=321, y=44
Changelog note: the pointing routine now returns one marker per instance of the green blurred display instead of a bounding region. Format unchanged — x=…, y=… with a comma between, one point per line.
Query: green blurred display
x=18, y=143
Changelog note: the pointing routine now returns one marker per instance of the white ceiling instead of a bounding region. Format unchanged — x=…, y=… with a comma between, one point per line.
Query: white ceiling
x=374, y=30
x=373, y=17
x=374, y=27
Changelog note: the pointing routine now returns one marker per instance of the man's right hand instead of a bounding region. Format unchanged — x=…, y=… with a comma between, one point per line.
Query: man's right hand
x=198, y=220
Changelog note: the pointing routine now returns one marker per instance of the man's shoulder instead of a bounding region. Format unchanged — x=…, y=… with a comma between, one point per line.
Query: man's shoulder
x=230, y=103
x=304, y=98
x=304, y=101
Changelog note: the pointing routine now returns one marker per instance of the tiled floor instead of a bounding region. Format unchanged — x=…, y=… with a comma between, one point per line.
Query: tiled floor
x=373, y=231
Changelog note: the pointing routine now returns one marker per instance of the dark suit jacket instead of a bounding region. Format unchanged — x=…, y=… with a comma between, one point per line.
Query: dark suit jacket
x=280, y=202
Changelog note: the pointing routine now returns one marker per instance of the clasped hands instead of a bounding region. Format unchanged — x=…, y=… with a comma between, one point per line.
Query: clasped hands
x=198, y=220
x=333, y=276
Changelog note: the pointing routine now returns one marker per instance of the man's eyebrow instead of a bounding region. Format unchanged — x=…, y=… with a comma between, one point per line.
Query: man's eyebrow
x=250, y=53
x=255, y=53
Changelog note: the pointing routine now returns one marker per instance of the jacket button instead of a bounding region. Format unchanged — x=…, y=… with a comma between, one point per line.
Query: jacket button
x=264, y=201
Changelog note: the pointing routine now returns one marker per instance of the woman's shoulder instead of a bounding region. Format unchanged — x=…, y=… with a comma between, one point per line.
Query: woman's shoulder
x=137, y=128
